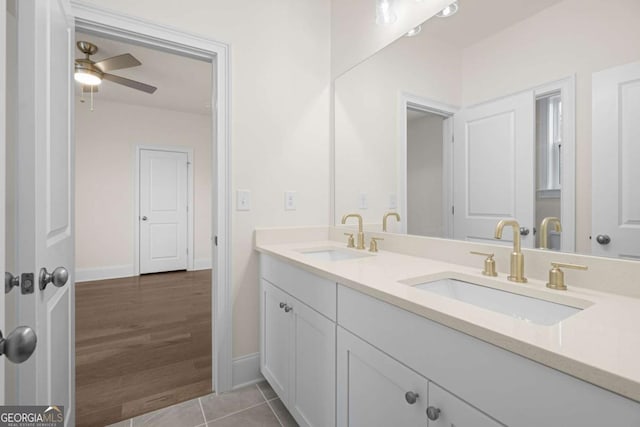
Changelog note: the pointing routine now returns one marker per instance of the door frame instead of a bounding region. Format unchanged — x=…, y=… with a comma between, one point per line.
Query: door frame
x=103, y=22
x=3, y=162
x=136, y=201
x=408, y=100
x=567, y=89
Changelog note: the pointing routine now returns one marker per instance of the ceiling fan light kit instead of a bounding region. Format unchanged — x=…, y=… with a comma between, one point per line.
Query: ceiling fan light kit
x=90, y=73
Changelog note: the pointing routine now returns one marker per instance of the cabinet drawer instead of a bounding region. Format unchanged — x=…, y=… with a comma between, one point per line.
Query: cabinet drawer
x=316, y=292
x=510, y=388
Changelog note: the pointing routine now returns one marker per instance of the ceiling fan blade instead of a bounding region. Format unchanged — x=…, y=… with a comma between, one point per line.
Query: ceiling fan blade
x=130, y=83
x=87, y=89
x=118, y=62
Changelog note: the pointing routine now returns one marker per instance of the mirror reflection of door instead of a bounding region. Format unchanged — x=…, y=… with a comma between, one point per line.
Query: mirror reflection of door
x=616, y=155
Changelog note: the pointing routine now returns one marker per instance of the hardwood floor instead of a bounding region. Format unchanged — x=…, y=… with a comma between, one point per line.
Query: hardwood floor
x=142, y=343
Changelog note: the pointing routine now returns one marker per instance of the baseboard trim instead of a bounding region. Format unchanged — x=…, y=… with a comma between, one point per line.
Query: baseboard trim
x=246, y=370
x=202, y=264
x=103, y=273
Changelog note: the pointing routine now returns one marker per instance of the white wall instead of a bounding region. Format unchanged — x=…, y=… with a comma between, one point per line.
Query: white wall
x=105, y=211
x=355, y=36
x=424, y=175
x=573, y=37
x=367, y=114
x=280, y=74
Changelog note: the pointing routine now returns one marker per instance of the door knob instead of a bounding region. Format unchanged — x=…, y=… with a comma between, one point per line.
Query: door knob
x=524, y=231
x=411, y=397
x=433, y=413
x=144, y=218
x=59, y=277
x=603, y=239
x=19, y=344
x=10, y=282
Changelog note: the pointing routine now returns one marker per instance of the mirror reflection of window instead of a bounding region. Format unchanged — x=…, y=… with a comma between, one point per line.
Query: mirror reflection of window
x=548, y=163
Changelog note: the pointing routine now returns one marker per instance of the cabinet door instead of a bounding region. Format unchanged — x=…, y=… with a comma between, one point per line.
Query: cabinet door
x=372, y=387
x=275, y=356
x=312, y=397
x=454, y=412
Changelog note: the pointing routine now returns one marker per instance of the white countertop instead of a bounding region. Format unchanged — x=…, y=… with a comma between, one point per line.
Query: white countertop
x=600, y=344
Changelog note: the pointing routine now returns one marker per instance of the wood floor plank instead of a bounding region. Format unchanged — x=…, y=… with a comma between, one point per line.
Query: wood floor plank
x=142, y=343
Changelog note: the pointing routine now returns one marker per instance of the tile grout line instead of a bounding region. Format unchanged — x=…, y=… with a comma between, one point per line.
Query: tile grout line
x=236, y=412
x=204, y=417
x=269, y=405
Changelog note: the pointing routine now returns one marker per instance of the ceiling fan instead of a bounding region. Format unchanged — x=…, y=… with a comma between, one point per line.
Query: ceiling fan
x=91, y=73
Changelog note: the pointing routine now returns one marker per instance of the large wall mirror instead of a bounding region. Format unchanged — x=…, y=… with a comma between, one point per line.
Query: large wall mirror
x=507, y=109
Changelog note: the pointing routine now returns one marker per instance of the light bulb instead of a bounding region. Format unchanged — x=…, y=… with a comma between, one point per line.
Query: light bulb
x=414, y=31
x=87, y=78
x=448, y=11
x=384, y=12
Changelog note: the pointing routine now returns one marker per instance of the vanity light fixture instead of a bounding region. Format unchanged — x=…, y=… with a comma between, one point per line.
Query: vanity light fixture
x=448, y=11
x=414, y=31
x=384, y=12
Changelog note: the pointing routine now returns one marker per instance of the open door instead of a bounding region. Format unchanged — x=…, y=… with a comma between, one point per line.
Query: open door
x=45, y=206
x=493, y=168
x=3, y=115
x=616, y=155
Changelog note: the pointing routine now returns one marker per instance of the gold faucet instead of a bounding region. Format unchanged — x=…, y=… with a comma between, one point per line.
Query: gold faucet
x=517, y=259
x=387, y=215
x=360, y=232
x=544, y=227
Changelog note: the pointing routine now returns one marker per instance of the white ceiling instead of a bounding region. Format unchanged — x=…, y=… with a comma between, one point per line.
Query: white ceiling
x=184, y=84
x=478, y=19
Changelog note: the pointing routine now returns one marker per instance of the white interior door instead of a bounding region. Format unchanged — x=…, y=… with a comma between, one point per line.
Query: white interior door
x=46, y=202
x=616, y=156
x=493, y=168
x=3, y=100
x=163, y=211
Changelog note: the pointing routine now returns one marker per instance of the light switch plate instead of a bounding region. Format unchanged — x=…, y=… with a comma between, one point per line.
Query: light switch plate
x=290, y=200
x=243, y=200
x=363, y=201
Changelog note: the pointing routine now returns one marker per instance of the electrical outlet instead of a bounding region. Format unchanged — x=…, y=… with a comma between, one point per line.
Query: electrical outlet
x=290, y=200
x=363, y=201
x=393, y=201
x=243, y=200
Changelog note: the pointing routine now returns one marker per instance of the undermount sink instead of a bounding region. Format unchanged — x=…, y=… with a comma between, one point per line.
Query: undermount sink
x=522, y=307
x=332, y=254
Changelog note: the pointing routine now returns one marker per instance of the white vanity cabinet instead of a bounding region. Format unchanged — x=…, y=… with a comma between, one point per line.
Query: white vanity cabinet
x=377, y=390
x=298, y=342
x=336, y=356
x=507, y=387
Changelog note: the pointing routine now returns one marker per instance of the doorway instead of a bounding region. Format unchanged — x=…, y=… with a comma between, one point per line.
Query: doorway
x=143, y=191
x=424, y=169
x=425, y=198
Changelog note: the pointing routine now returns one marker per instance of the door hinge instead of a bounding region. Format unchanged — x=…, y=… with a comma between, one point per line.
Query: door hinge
x=215, y=240
x=453, y=138
x=453, y=210
x=187, y=251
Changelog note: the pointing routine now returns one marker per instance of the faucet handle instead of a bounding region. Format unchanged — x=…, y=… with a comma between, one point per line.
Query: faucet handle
x=556, y=275
x=489, y=263
x=350, y=242
x=373, y=246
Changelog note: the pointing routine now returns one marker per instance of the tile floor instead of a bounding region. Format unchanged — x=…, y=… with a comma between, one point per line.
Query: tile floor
x=252, y=406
